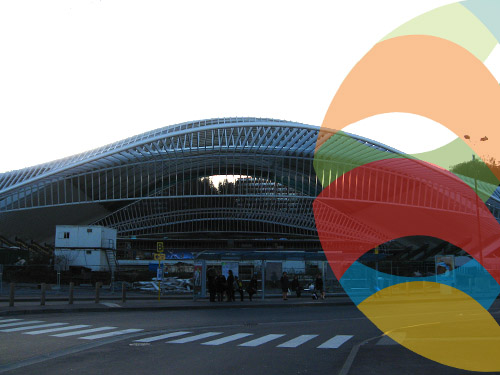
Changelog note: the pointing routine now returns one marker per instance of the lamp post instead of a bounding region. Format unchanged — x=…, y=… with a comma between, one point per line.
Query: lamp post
x=478, y=217
x=479, y=237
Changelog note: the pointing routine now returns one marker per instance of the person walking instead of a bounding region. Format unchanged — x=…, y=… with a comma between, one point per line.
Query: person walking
x=252, y=287
x=318, y=285
x=296, y=286
x=239, y=286
x=284, y=286
x=230, y=287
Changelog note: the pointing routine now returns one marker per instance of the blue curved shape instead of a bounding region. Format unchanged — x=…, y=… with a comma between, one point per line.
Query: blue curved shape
x=360, y=282
x=487, y=11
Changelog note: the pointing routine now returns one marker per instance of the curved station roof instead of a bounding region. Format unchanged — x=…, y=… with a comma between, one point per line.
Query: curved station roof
x=226, y=175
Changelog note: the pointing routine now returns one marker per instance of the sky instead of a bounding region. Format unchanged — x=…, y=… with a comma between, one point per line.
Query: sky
x=79, y=74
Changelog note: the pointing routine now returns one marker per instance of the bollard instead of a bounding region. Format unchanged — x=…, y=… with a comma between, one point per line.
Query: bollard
x=124, y=292
x=71, y=286
x=42, y=296
x=11, y=295
x=97, y=290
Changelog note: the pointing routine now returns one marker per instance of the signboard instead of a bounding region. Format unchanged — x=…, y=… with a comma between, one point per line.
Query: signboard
x=226, y=266
x=159, y=256
x=197, y=275
x=197, y=279
x=273, y=272
x=444, y=267
x=152, y=266
x=159, y=247
x=159, y=273
x=445, y=264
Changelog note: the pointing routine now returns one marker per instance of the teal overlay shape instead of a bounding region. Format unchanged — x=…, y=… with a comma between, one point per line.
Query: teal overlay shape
x=360, y=282
x=488, y=11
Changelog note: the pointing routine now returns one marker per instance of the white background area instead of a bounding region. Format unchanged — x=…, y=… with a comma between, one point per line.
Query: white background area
x=76, y=74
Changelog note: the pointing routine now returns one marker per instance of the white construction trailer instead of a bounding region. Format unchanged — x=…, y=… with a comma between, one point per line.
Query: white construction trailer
x=89, y=246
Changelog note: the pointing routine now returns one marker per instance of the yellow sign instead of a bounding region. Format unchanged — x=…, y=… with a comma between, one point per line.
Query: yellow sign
x=159, y=256
x=159, y=247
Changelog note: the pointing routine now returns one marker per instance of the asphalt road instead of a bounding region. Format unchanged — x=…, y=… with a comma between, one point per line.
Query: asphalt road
x=300, y=340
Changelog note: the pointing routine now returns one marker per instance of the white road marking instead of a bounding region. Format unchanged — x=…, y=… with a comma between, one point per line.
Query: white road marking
x=10, y=320
x=110, y=334
x=227, y=339
x=31, y=327
x=161, y=337
x=387, y=340
x=110, y=304
x=262, y=340
x=20, y=323
x=335, y=342
x=293, y=343
x=69, y=328
x=84, y=331
x=194, y=338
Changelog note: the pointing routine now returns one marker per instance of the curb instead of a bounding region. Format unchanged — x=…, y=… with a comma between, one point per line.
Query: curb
x=167, y=308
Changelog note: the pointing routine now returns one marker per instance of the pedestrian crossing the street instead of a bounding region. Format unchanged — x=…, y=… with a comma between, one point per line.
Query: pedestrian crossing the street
x=30, y=327
x=262, y=340
x=61, y=329
x=227, y=339
x=162, y=337
x=17, y=323
x=111, y=334
x=194, y=338
x=246, y=339
x=293, y=343
x=51, y=330
x=209, y=339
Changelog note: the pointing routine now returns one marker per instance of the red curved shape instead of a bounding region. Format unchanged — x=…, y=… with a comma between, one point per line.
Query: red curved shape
x=389, y=199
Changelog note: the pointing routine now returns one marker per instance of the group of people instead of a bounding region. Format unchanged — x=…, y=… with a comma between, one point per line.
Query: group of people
x=316, y=288
x=221, y=287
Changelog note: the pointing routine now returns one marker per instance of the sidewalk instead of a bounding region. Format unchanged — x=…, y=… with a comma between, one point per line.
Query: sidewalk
x=166, y=303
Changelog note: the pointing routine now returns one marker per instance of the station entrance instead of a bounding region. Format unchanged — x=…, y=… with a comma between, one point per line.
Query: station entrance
x=267, y=268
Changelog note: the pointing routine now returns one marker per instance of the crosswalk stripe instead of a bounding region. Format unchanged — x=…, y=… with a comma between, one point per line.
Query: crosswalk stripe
x=69, y=328
x=335, y=342
x=110, y=304
x=10, y=320
x=262, y=340
x=161, y=337
x=227, y=339
x=31, y=327
x=110, y=334
x=293, y=343
x=387, y=340
x=20, y=323
x=194, y=338
x=84, y=331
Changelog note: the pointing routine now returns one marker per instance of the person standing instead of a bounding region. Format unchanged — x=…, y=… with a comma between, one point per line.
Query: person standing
x=296, y=286
x=284, y=286
x=212, y=287
x=230, y=287
x=252, y=287
x=318, y=284
x=220, y=281
x=239, y=286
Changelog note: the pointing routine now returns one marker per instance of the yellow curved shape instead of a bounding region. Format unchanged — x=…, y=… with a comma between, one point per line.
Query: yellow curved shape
x=438, y=322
